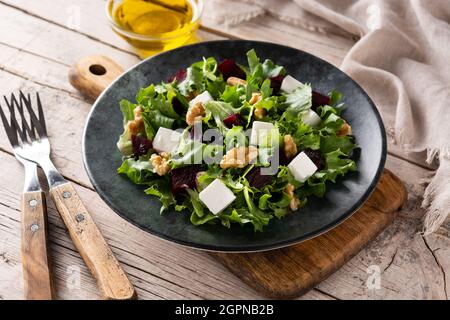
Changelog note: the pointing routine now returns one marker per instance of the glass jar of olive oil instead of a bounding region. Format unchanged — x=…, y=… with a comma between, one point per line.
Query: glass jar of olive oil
x=153, y=26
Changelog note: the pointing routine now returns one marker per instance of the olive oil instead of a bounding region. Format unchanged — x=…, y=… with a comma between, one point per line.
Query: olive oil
x=153, y=26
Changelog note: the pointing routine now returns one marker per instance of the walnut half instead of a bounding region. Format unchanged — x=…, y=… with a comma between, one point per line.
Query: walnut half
x=233, y=81
x=195, y=113
x=256, y=96
x=259, y=113
x=290, y=148
x=346, y=130
x=160, y=163
x=295, y=202
x=239, y=157
x=137, y=125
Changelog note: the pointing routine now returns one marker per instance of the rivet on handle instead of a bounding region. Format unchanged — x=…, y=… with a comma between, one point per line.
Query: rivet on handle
x=34, y=227
x=66, y=194
x=79, y=217
x=33, y=203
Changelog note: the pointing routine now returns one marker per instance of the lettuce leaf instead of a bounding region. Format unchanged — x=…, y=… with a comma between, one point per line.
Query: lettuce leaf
x=299, y=100
x=138, y=171
x=202, y=76
x=127, y=109
x=161, y=188
x=337, y=164
x=259, y=72
x=192, y=82
x=234, y=95
x=218, y=111
x=124, y=144
x=330, y=143
x=258, y=218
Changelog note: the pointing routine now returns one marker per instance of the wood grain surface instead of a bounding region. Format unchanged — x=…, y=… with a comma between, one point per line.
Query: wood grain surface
x=294, y=270
x=90, y=243
x=37, y=278
x=36, y=52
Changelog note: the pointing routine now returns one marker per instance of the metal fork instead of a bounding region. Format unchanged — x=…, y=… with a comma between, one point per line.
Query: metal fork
x=94, y=250
x=34, y=250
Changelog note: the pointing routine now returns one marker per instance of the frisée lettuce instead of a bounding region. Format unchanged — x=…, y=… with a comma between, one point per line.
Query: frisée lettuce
x=303, y=143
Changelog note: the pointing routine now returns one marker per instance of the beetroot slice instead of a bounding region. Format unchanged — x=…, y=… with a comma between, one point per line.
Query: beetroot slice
x=284, y=161
x=229, y=68
x=180, y=75
x=177, y=106
x=275, y=83
x=185, y=178
x=319, y=99
x=141, y=145
x=233, y=120
x=315, y=156
x=256, y=179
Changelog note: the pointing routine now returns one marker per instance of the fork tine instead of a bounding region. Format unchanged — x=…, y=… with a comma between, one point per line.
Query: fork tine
x=22, y=128
x=12, y=109
x=41, y=113
x=28, y=129
x=33, y=128
x=14, y=123
x=33, y=118
x=10, y=131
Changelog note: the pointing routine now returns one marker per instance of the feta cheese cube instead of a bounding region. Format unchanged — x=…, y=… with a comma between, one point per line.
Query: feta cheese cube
x=289, y=84
x=263, y=133
x=166, y=140
x=302, y=167
x=311, y=118
x=203, y=98
x=216, y=196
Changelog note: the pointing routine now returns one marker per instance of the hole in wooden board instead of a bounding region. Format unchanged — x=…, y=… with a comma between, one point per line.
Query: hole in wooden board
x=97, y=69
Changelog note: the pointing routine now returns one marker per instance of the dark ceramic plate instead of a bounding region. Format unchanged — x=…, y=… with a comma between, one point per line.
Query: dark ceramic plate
x=102, y=158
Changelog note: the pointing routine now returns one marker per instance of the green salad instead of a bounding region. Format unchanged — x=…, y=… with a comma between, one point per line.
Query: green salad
x=229, y=143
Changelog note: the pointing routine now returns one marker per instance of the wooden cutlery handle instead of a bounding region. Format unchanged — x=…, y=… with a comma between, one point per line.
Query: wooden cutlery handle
x=36, y=271
x=93, y=248
x=93, y=74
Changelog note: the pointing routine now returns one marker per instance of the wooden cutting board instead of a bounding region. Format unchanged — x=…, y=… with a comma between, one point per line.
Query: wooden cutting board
x=291, y=271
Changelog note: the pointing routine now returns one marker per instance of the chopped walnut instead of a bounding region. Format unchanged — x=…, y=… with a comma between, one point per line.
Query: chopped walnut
x=295, y=202
x=137, y=125
x=256, y=96
x=239, y=157
x=290, y=148
x=346, y=130
x=160, y=163
x=137, y=113
x=195, y=113
x=259, y=113
x=233, y=81
x=165, y=155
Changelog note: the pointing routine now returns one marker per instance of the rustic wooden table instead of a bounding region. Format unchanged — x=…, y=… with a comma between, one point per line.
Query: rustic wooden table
x=38, y=43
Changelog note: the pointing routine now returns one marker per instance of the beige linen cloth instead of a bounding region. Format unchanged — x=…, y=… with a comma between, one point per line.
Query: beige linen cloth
x=402, y=59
